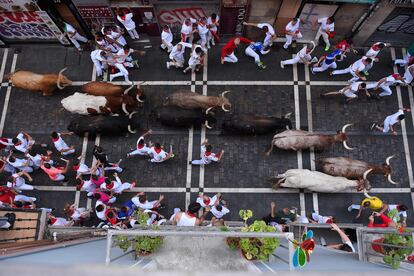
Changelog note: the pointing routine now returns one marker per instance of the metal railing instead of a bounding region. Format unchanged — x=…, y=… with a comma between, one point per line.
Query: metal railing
x=194, y=232
x=367, y=237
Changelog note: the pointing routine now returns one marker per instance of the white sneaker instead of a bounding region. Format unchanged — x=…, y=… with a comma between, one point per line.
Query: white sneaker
x=111, y=77
x=208, y=46
x=282, y=65
x=350, y=208
x=168, y=65
x=213, y=43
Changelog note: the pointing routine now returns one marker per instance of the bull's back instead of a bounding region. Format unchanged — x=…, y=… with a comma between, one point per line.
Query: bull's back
x=298, y=139
x=27, y=80
x=188, y=100
x=80, y=103
x=342, y=166
x=101, y=89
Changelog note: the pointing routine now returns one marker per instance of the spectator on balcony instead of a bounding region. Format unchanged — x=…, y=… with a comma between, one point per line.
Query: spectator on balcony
x=385, y=221
x=397, y=212
x=346, y=244
x=274, y=221
x=190, y=218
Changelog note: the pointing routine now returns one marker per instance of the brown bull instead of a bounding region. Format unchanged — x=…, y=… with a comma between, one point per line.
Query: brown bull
x=354, y=169
x=300, y=139
x=100, y=88
x=45, y=83
x=190, y=100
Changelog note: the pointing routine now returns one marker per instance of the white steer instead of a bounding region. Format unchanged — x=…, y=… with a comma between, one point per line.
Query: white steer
x=80, y=103
x=317, y=181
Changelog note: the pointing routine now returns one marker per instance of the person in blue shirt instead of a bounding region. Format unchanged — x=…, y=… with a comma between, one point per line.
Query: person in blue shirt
x=252, y=51
x=126, y=210
x=328, y=61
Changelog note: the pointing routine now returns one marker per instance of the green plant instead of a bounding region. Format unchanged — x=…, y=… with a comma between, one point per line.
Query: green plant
x=245, y=215
x=258, y=248
x=123, y=242
x=392, y=255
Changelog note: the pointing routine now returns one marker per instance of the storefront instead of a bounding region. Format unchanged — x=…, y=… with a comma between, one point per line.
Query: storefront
x=25, y=21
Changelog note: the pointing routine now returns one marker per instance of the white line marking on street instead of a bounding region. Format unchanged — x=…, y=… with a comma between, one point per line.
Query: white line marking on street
x=268, y=267
x=203, y=127
x=137, y=263
x=7, y=98
x=3, y=64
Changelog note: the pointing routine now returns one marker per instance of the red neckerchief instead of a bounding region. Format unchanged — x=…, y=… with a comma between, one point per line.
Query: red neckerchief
x=55, y=139
x=158, y=150
x=110, y=185
x=190, y=214
x=140, y=146
x=75, y=168
x=207, y=153
x=375, y=47
x=53, y=220
x=206, y=201
x=395, y=76
x=213, y=20
x=123, y=17
x=81, y=184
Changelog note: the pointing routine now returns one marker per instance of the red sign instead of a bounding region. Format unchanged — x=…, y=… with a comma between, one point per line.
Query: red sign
x=177, y=16
x=95, y=11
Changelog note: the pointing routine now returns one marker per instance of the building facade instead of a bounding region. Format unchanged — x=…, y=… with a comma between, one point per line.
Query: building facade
x=365, y=21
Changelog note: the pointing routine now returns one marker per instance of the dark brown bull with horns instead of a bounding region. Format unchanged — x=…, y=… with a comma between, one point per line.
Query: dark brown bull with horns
x=354, y=169
x=100, y=88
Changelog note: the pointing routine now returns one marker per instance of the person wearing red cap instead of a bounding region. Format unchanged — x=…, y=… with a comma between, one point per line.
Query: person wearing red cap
x=117, y=187
x=141, y=147
x=227, y=53
x=205, y=200
x=206, y=155
x=385, y=84
x=158, y=154
x=140, y=200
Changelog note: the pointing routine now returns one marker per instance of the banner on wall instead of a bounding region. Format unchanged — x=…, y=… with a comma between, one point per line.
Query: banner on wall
x=18, y=5
x=33, y=26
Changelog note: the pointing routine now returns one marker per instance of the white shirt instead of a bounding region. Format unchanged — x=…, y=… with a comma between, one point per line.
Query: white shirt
x=118, y=37
x=202, y=29
x=319, y=219
x=208, y=159
x=88, y=186
x=292, y=28
x=186, y=30
x=390, y=80
x=302, y=53
x=24, y=145
x=60, y=222
x=179, y=55
x=358, y=66
x=219, y=214
x=69, y=28
x=128, y=22
x=325, y=26
x=200, y=201
x=18, y=162
x=393, y=119
x=355, y=86
x=114, y=188
x=394, y=207
x=195, y=58
x=17, y=181
x=270, y=31
x=158, y=157
x=35, y=159
x=167, y=36
x=96, y=55
x=122, y=56
x=83, y=169
x=144, y=150
x=213, y=26
x=101, y=215
x=60, y=144
x=146, y=205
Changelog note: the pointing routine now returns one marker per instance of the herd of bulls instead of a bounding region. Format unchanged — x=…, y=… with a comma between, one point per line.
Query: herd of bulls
x=108, y=109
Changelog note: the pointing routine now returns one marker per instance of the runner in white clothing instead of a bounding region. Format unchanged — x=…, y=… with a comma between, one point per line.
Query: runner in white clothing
x=356, y=69
x=177, y=55
x=350, y=91
x=17, y=181
x=303, y=56
x=203, y=30
x=18, y=163
x=35, y=159
x=206, y=201
x=196, y=59
x=409, y=74
x=23, y=142
x=322, y=219
x=166, y=38
x=326, y=30
x=213, y=23
x=60, y=144
x=99, y=59
x=123, y=59
x=390, y=121
x=219, y=210
x=141, y=147
x=102, y=44
x=73, y=35
x=126, y=19
x=140, y=200
x=187, y=31
x=85, y=185
x=117, y=186
x=268, y=30
x=117, y=34
x=385, y=84
x=158, y=154
x=206, y=155
x=292, y=31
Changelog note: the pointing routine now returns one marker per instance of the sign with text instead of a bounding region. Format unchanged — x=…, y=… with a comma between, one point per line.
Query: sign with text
x=95, y=11
x=18, y=5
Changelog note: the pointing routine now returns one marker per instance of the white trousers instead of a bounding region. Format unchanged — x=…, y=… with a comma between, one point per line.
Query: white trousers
x=404, y=61
x=99, y=67
x=324, y=67
x=22, y=187
x=252, y=53
x=386, y=90
x=123, y=187
x=122, y=72
x=408, y=78
x=346, y=71
x=113, y=167
x=231, y=58
x=68, y=152
x=289, y=39
x=24, y=198
x=77, y=37
x=324, y=36
x=267, y=42
x=203, y=40
x=167, y=45
x=294, y=60
x=133, y=34
x=25, y=169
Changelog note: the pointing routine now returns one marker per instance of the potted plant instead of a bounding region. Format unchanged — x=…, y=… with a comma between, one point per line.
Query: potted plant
x=257, y=248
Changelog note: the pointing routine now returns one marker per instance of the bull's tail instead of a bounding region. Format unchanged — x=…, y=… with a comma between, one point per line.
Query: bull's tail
x=270, y=150
x=276, y=181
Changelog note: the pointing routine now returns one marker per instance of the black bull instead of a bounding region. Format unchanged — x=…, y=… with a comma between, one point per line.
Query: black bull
x=256, y=124
x=104, y=125
x=178, y=117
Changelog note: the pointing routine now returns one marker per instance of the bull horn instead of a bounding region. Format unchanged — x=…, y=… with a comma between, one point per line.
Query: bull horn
x=208, y=109
x=390, y=180
x=345, y=127
x=287, y=115
x=128, y=89
x=59, y=77
x=224, y=93
x=364, y=176
x=225, y=110
x=346, y=146
x=125, y=109
x=207, y=125
x=130, y=129
x=387, y=161
x=138, y=99
x=132, y=114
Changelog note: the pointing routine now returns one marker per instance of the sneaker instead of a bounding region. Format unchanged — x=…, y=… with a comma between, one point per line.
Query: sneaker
x=323, y=241
x=261, y=65
x=327, y=48
x=208, y=46
x=213, y=43
x=366, y=73
x=285, y=46
x=372, y=128
x=168, y=65
x=135, y=63
x=313, y=73
x=350, y=208
x=111, y=77
x=282, y=65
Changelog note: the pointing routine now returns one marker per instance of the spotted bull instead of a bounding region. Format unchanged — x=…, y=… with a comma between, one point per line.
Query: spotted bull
x=104, y=125
x=84, y=104
x=354, y=169
x=178, y=117
x=318, y=182
x=100, y=88
x=255, y=124
x=300, y=139
x=44, y=83
x=189, y=100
